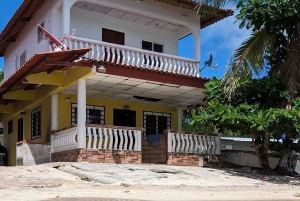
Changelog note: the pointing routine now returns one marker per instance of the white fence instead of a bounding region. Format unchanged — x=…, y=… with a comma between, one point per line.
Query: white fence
x=64, y=140
x=99, y=137
x=129, y=56
x=114, y=138
x=180, y=142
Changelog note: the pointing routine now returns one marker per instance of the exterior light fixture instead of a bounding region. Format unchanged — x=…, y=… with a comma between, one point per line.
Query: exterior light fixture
x=22, y=114
x=101, y=69
x=126, y=107
x=67, y=99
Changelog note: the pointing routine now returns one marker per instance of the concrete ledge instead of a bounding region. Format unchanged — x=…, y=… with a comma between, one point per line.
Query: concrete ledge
x=98, y=156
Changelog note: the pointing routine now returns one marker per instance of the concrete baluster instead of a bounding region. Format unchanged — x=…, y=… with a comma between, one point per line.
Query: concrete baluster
x=125, y=139
x=105, y=138
x=100, y=138
x=89, y=130
x=130, y=140
x=116, y=139
x=111, y=139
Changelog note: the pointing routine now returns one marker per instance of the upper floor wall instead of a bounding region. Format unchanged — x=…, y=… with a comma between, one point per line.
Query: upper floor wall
x=27, y=43
x=149, y=20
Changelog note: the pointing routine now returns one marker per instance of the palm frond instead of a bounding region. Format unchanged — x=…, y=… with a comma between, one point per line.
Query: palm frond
x=290, y=69
x=210, y=7
x=249, y=58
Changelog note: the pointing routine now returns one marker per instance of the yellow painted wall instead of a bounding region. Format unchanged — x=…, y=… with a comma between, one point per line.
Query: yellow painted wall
x=11, y=139
x=64, y=118
x=64, y=108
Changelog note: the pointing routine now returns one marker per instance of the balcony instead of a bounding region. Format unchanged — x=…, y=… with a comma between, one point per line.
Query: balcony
x=120, y=55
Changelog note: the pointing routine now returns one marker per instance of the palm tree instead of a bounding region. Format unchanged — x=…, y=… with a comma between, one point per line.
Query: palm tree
x=273, y=46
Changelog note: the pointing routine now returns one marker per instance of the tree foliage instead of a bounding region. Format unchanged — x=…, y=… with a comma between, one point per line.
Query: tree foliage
x=273, y=46
x=256, y=113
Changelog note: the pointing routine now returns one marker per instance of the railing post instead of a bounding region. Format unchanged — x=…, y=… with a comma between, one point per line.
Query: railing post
x=170, y=146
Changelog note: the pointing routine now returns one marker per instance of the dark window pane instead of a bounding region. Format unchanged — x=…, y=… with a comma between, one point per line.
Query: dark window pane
x=158, y=48
x=146, y=45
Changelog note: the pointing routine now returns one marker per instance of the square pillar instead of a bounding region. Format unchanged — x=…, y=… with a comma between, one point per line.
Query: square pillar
x=81, y=114
x=179, y=114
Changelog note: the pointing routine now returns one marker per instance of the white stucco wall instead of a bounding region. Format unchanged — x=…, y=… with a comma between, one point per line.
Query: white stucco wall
x=83, y=20
x=89, y=25
x=28, y=40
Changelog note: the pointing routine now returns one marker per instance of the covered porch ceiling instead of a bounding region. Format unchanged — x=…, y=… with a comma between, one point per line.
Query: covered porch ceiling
x=133, y=17
x=135, y=90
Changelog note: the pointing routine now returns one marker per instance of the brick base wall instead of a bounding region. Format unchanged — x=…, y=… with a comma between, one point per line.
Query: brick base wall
x=181, y=159
x=97, y=156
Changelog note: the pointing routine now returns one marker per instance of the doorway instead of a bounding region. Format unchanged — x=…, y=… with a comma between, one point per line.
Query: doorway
x=124, y=118
x=20, y=129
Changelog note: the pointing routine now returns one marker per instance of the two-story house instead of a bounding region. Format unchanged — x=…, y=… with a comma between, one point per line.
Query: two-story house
x=113, y=93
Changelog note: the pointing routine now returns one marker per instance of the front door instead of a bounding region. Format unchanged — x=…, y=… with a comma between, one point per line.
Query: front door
x=20, y=129
x=124, y=118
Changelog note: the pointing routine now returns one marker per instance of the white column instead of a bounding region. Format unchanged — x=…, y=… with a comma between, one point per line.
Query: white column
x=179, y=110
x=218, y=141
x=81, y=114
x=66, y=17
x=54, y=112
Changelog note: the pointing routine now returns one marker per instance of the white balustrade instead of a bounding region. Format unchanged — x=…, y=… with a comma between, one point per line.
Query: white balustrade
x=113, y=138
x=64, y=140
x=130, y=56
x=184, y=142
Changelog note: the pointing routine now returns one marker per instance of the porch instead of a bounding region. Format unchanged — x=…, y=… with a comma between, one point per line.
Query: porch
x=116, y=144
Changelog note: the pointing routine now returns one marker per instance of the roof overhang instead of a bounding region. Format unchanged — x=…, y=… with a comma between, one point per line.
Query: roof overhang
x=212, y=16
x=17, y=23
x=42, y=62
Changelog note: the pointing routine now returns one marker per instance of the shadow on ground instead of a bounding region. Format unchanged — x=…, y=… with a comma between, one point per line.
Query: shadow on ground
x=254, y=173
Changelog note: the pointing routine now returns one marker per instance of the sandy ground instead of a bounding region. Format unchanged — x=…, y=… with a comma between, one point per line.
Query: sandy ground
x=86, y=181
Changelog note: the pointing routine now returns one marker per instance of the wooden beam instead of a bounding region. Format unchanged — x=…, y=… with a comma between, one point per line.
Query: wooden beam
x=66, y=63
x=66, y=59
x=40, y=62
x=12, y=40
x=25, y=19
x=17, y=21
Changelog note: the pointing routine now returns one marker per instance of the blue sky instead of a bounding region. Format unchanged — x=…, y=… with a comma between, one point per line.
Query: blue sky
x=219, y=39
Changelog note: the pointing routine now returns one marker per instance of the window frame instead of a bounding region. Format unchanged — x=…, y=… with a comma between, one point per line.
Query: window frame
x=153, y=43
x=10, y=126
x=40, y=32
x=23, y=58
x=88, y=107
x=36, y=122
x=157, y=114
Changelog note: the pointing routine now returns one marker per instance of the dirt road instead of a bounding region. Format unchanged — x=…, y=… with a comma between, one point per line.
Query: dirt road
x=85, y=181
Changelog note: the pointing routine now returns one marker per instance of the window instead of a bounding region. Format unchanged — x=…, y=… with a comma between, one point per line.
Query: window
x=10, y=127
x=112, y=36
x=151, y=46
x=20, y=130
x=36, y=123
x=156, y=123
x=23, y=58
x=94, y=114
x=40, y=32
